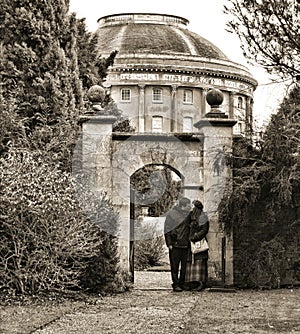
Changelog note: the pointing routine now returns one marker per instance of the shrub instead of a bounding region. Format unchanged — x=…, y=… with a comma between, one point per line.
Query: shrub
x=148, y=246
x=49, y=238
x=262, y=209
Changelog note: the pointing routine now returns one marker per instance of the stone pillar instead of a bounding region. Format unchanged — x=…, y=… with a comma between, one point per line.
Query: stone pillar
x=96, y=151
x=248, y=121
x=217, y=131
x=203, y=101
x=141, y=109
x=174, y=118
x=251, y=113
x=97, y=164
x=231, y=104
x=96, y=143
x=97, y=158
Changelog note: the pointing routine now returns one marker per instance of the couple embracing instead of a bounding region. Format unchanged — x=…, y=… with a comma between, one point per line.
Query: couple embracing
x=184, y=225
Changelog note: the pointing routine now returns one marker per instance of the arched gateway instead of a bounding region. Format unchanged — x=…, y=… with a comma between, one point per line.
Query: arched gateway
x=110, y=159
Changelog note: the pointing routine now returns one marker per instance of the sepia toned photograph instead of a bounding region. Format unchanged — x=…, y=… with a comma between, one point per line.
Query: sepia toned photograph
x=149, y=167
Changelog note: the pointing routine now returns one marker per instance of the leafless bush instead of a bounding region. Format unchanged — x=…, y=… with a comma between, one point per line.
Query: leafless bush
x=47, y=241
x=148, y=247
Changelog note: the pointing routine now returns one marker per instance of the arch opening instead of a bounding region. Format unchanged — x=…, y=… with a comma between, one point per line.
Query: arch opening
x=154, y=190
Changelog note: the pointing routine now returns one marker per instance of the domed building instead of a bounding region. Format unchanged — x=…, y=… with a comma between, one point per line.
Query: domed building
x=185, y=99
x=162, y=73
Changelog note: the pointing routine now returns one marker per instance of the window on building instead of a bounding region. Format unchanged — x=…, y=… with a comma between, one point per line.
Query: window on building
x=238, y=128
x=187, y=124
x=188, y=96
x=125, y=95
x=157, y=124
x=157, y=95
x=240, y=103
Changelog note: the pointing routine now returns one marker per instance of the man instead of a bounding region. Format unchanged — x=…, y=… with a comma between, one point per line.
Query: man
x=176, y=229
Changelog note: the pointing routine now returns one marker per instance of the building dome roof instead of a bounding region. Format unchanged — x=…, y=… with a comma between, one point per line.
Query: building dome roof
x=161, y=43
x=153, y=34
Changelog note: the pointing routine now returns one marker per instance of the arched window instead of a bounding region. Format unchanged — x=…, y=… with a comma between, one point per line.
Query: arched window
x=238, y=128
x=240, y=102
x=187, y=124
x=157, y=124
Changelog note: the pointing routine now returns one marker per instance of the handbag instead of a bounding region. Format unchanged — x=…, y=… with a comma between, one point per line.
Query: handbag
x=199, y=246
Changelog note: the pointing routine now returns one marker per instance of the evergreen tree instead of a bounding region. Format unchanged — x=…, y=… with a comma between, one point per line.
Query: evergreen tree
x=34, y=59
x=39, y=72
x=87, y=55
x=43, y=68
x=48, y=62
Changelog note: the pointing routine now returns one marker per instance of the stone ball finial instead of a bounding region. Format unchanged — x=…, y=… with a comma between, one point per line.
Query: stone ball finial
x=214, y=97
x=96, y=94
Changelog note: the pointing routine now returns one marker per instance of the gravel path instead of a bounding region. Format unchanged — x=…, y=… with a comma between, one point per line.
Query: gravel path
x=153, y=308
x=137, y=312
x=154, y=280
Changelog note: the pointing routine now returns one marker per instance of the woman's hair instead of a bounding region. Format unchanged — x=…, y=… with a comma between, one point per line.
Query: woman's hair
x=198, y=204
x=197, y=210
x=196, y=214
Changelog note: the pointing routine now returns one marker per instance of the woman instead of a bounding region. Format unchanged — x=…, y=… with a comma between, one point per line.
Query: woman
x=196, y=270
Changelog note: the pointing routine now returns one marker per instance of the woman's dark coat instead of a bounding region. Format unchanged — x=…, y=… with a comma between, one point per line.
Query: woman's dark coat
x=198, y=231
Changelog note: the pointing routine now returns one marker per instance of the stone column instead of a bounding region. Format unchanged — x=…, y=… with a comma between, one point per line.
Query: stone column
x=141, y=109
x=174, y=116
x=231, y=104
x=248, y=121
x=217, y=131
x=203, y=101
x=251, y=113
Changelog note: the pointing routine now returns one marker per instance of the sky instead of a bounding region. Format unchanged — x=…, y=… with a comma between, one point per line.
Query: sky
x=206, y=18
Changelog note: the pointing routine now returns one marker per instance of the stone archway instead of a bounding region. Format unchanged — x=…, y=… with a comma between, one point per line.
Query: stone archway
x=131, y=153
x=111, y=159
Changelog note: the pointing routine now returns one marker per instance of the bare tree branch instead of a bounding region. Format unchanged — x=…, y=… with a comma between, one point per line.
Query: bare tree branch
x=269, y=33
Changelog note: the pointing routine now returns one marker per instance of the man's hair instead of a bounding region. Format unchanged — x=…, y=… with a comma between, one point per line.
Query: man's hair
x=183, y=202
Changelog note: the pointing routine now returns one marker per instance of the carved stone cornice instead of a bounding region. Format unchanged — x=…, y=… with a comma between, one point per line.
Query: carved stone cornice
x=204, y=72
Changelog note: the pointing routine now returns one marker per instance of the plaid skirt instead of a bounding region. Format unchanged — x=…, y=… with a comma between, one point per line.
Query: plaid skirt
x=197, y=271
